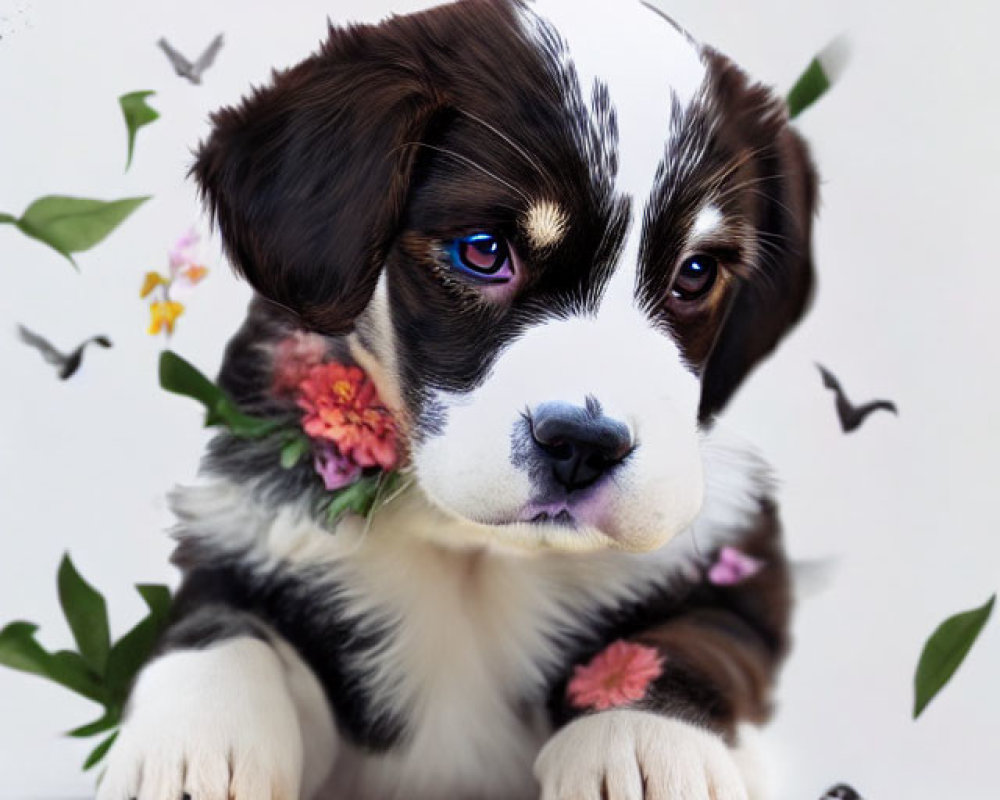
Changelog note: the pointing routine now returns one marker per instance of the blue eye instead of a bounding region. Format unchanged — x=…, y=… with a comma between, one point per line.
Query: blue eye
x=483, y=256
x=695, y=277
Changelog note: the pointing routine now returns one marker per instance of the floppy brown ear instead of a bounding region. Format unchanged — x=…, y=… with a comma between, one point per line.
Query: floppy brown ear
x=307, y=176
x=772, y=299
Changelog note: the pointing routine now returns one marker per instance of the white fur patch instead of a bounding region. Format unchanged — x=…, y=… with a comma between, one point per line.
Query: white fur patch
x=377, y=356
x=545, y=224
x=217, y=724
x=472, y=469
x=708, y=221
x=476, y=623
x=636, y=755
x=650, y=67
x=645, y=62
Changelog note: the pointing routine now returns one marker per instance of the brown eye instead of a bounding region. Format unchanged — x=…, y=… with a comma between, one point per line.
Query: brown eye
x=695, y=277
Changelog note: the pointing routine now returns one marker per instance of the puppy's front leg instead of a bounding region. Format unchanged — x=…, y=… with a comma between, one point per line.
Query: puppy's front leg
x=719, y=646
x=628, y=754
x=234, y=719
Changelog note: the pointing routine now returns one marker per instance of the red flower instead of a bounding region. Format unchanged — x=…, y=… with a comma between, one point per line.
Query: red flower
x=343, y=407
x=617, y=676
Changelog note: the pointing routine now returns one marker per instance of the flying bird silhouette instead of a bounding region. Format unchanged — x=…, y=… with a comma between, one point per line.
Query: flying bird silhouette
x=841, y=792
x=66, y=363
x=185, y=68
x=850, y=415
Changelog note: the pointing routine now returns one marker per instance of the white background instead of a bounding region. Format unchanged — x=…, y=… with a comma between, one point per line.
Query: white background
x=907, y=145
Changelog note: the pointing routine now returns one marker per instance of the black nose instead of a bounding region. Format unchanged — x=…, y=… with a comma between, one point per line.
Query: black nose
x=581, y=445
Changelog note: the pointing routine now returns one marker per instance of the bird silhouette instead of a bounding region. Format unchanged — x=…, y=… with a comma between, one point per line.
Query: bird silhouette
x=841, y=792
x=66, y=363
x=850, y=415
x=183, y=67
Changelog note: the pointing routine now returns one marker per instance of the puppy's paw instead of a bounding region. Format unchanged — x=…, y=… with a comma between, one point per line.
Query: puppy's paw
x=635, y=755
x=213, y=724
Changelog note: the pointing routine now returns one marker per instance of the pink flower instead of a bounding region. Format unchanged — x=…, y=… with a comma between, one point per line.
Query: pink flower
x=184, y=250
x=335, y=470
x=733, y=567
x=342, y=406
x=617, y=676
x=293, y=357
x=185, y=270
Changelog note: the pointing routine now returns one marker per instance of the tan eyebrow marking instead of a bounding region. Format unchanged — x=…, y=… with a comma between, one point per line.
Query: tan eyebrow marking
x=544, y=224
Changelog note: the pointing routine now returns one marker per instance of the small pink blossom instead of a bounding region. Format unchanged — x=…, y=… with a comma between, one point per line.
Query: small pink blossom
x=617, y=676
x=184, y=250
x=186, y=270
x=733, y=567
x=293, y=357
x=335, y=470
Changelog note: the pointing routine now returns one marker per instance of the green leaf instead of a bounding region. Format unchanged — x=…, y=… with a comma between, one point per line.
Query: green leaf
x=244, y=425
x=7, y=219
x=105, y=723
x=70, y=670
x=73, y=224
x=945, y=651
x=179, y=376
x=99, y=752
x=293, y=451
x=810, y=87
x=358, y=497
x=822, y=73
x=363, y=497
x=128, y=656
x=20, y=651
x=157, y=599
x=388, y=488
x=137, y=114
x=87, y=615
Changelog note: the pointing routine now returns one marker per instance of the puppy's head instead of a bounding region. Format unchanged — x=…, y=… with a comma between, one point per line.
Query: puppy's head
x=558, y=244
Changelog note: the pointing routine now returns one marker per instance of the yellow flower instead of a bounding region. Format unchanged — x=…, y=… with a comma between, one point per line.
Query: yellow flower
x=151, y=281
x=164, y=315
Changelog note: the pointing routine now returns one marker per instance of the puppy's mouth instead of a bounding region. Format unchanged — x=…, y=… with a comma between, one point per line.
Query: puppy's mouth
x=562, y=517
x=573, y=512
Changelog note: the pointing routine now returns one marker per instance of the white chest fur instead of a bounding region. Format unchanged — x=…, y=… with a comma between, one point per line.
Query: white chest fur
x=475, y=633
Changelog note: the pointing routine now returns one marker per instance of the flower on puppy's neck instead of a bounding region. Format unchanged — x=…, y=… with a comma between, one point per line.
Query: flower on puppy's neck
x=342, y=408
x=350, y=435
x=336, y=470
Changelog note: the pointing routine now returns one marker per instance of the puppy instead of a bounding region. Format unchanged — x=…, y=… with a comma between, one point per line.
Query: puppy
x=556, y=239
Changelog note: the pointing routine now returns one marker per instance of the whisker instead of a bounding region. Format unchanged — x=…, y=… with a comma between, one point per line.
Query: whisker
x=468, y=161
x=513, y=145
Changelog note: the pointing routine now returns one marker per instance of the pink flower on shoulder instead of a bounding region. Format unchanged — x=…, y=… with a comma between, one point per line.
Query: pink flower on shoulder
x=733, y=567
x=293, y=357
x=342, y=406
x=617, y=676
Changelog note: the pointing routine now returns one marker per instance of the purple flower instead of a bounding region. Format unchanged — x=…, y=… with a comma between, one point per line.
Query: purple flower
x=336, y=470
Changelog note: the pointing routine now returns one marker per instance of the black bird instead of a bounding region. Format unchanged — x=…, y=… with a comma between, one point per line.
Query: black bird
x=66, y=363
x=841, y=792
x=185, y=68
x=851, y=416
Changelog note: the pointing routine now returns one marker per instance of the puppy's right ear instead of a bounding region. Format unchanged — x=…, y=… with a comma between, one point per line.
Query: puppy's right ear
x=306, y=178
